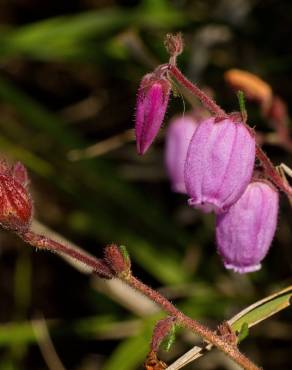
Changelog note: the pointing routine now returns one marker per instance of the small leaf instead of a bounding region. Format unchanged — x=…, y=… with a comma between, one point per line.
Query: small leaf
x=241, y=101
x=170, y=339
x=125, y=254
x=243, y=333
x=262, y=309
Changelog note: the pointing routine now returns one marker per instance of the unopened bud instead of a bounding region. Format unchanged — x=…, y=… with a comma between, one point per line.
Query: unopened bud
x=117, y=259
x=15, y=200
x=152, y=101
x=174, y=45
x=162, y=329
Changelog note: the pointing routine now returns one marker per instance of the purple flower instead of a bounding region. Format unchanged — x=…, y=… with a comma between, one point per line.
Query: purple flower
x=219, y=164
x=178, y=137
x=152, y=100
x=244, y=233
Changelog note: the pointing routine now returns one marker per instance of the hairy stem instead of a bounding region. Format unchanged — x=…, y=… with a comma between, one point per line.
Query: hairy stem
x=210, y=104
x=100, y=267
x=272, y=173
x=40, y=241
x=204, y=98
x=230, y=350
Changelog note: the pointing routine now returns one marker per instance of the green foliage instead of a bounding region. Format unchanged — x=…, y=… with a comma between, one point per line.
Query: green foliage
x=170, y=339
x=241, y=101
x=262, y=309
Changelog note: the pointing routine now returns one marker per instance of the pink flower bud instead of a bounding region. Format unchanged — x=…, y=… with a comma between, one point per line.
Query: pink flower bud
x=219, y=164
x=15, y=201
x=152, y=100
x=244, y=233
x=178, y=137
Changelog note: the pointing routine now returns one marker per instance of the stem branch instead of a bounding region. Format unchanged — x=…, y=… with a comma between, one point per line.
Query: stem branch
x=204, y=98
x=42, y=242
x=230, y=350
x=100, y=268
x=272, y=172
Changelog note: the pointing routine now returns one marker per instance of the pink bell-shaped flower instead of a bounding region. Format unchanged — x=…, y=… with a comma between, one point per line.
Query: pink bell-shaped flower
x=178, y=137
x=244, y=233
x=219, y=163
x=152, y=100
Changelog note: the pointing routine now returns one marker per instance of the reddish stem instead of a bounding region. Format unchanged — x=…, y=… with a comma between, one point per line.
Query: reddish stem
x=204, y=98
x=100, y=268
x=271, y=172
x=230, y=350
x=42, y=242
x=269, y=168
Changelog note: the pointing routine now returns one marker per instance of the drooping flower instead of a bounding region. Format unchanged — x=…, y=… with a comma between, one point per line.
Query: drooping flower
x=219, y=163
x=244, y=233
x=152, y=100
x=178, y=137
x=15, y=201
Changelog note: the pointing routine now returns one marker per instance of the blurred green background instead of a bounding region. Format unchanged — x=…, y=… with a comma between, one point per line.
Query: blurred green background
x=69, y=72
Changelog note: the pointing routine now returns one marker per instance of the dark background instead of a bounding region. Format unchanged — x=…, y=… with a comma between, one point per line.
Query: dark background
x=69, y=72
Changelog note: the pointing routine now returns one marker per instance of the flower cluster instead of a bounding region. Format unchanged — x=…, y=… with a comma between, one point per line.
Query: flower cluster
x=212, y=161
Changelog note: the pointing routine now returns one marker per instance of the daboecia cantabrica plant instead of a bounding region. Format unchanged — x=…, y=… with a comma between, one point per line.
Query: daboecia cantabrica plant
x=210, y=157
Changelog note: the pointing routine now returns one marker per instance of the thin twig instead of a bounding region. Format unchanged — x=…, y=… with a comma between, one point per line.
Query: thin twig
x=101, y=269
x=230, y=350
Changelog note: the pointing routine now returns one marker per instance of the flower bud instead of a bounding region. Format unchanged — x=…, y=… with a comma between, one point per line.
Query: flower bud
x=219, y=163
x=152, y=100
x=178, y=137
x=117, y=259
x=15, y=201
x=244, y=233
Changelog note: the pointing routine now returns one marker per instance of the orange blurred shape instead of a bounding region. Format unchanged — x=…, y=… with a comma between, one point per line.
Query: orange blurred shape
x=253, y=87
x=152, y=362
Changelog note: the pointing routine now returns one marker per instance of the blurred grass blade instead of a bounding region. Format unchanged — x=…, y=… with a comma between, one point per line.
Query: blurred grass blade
x=30, y=160
x=129, y=354
x=132, y=352
x=59, y=36
x=64, y=36
x=262, y=309
x=22, y=332
x=165, y=267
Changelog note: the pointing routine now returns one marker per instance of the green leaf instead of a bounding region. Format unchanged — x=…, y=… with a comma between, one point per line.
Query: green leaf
x=241, y=101
x=62, y=37
x=132, y=352
x=74, y=36
x=125, y=254
x=22, y=332
x=262, y=309
x=166, y=267
x=170, y=339
x=243, y=333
